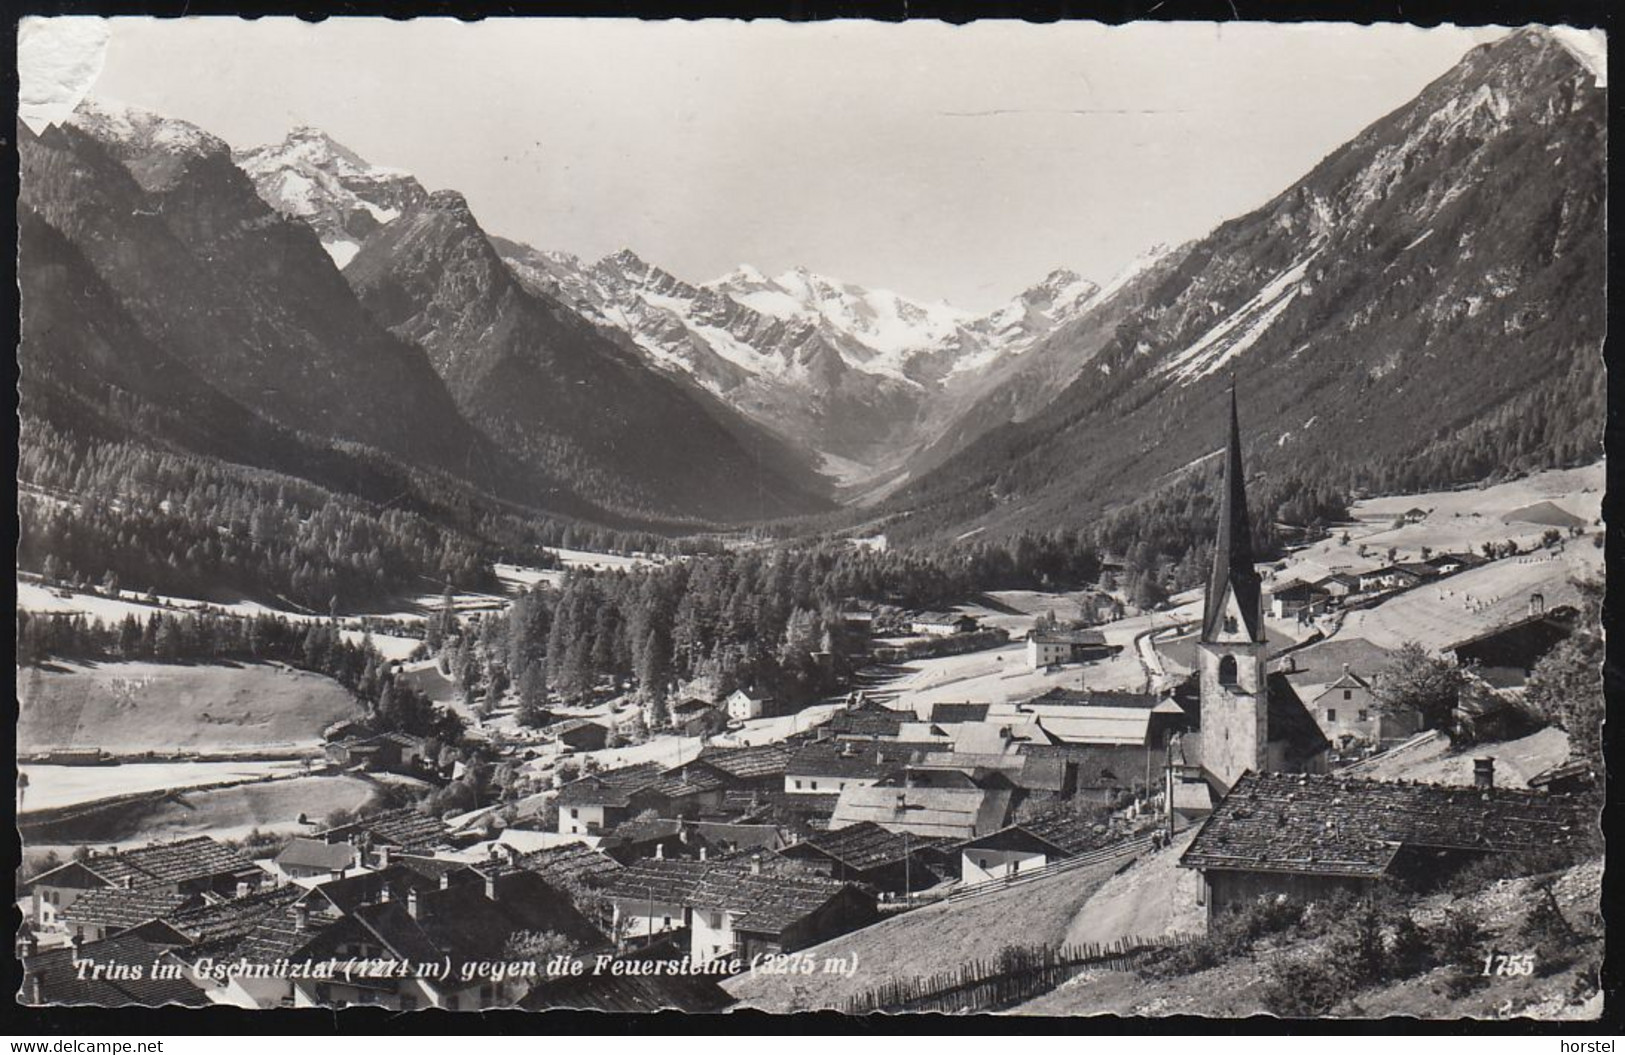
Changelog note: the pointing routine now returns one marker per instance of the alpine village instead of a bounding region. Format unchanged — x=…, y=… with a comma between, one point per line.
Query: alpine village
x=412, y=618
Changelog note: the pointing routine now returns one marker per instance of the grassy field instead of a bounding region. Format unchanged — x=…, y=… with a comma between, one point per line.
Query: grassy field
x=135, y=707
x=225, y=813
x=53, y=786
x=930, y=940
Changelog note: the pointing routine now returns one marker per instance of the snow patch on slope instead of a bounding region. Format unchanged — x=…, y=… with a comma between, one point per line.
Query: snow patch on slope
x=1241, y=329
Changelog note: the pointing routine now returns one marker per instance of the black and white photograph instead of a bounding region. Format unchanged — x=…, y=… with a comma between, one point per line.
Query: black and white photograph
x=1009, y=518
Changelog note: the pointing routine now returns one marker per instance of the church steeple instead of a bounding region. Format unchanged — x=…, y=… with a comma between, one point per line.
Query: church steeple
x=1233, y=609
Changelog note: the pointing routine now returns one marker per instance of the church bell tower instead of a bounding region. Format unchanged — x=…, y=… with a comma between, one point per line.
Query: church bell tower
x=1230, y=653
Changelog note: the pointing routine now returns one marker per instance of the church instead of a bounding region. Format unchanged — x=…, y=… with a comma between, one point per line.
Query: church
x=1248, y=718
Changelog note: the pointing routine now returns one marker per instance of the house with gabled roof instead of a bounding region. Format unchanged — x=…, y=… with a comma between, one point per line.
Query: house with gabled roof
x=107, y=911
x=580, y=734
x=1048, y=647
x=730, y=910
x=215, y=929
x=192, y=866
x=887, y=861
x=757, y=766
x=403, y=829
x=54, y=978
x=949, y=813
x=1030, y=844
x=866, y=719
x=597, y=802
x=316, y=859
x=1309, y=836
x=825, y=766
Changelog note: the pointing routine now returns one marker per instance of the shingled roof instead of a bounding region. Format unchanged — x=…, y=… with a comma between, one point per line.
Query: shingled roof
x=316, y=853
x=119, y=909
x=747, y=763
x=760, y=903
x=1062, y=831
x=953, y=813
x=160, y=864
x=867, y=845
x=612, y=787
x=948, y=713
x=1331, y=825
x=53, y=978
x=404, y=828
x=840, y=760
x=211, y=926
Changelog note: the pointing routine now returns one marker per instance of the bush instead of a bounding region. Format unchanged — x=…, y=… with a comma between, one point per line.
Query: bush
x=1409, y=953
x=1231, y=935
x=1547, y=934
x=1303, y=987
x=1357, y=950
x=1459, y=944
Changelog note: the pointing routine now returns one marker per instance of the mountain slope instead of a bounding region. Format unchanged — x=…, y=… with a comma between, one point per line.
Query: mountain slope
x=1426, y=306
x=245, y=299
x=548, y=386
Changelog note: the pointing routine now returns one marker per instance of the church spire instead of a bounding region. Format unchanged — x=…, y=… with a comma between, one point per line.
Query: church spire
x=1233, y=572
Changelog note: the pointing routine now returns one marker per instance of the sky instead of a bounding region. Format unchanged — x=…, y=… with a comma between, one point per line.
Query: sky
x=944, y=163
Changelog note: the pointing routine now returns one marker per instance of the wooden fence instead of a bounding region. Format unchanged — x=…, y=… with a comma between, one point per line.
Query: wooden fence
x=1016, y=974
x=1113, y=852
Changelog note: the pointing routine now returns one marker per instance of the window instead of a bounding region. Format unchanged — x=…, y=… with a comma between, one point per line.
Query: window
x=1348, y=694
x=665, y=921
x=1227, y=671
x=1331, y=714
x=815, y=785
x=798, y=785
x=574, y=812
x=1365, y=715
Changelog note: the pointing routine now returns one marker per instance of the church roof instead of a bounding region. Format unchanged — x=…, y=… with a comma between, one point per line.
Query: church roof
x=1233, y=548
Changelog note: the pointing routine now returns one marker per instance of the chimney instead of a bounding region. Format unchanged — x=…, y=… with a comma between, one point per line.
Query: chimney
x=36, y=988
x=445, y=880
x=702, y=853
x=337, y=873
x=243, y=889
x=660, y=851
x=383, y=857
x=412, y=903
x=490, y=886
x=301, y=916
x=755, y=864
x=383, y=894
x=129, y=882
x=1484, y=772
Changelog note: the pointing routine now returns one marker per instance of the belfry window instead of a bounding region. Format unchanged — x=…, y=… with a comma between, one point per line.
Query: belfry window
x=1227, y=671
x=1230, y=624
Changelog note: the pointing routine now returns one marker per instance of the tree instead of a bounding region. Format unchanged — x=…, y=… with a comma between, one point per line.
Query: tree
x=1421, y=682
x=654, y=672
x=1565, y=688
x=532, y=710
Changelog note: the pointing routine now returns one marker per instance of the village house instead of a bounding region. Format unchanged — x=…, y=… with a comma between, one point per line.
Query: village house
x=53, y=977
x=214, y=929
x=734, y=910
x=1030, y=844
x=948, y=813
x=595, y=803
x=1349, y=713
x=185, y=866
x=105, y=912
x=1046, y=648
x=743, y=706
x=886, y=861
x=696, y=717
x=315, y=859
x=390, y=752
x=1506, y=655
x=865, y=719
x=579, y=734
x=1338, y=585
x=464, y=916
x=402, y=830
x=833, y=767
x=1297, y=599
x=954, y=713
x=1311, y=836
x=759, y=766
x=942, y=624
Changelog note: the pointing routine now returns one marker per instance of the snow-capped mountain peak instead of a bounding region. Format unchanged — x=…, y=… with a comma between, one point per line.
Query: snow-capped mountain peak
x=345, y=198
x=130, y=130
